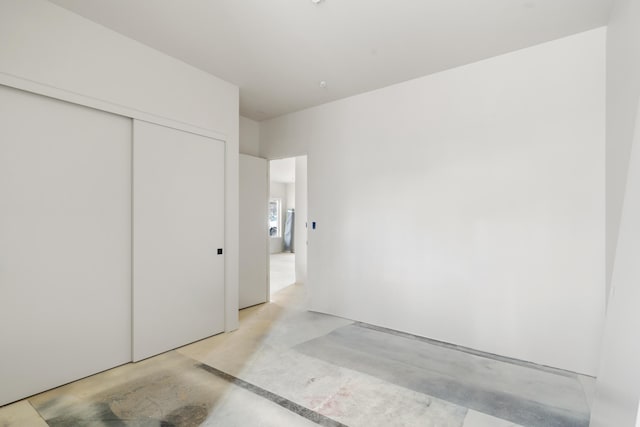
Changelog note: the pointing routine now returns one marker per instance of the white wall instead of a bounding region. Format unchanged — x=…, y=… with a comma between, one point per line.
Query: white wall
x=466, y=206
x=618, y=384
x=300, y=237
x=623, y=92
x=291, y=195
x=249, y=137
x=48, y=49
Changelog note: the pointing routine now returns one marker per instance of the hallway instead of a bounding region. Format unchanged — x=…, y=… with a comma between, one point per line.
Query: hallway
x=282, y=271
x=286, y=366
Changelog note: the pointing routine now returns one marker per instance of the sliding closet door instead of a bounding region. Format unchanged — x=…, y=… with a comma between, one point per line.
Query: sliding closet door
x=65, y=242
x=178, y=215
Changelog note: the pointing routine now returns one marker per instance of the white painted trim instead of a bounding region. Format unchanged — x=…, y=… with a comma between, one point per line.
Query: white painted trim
x=27, y=85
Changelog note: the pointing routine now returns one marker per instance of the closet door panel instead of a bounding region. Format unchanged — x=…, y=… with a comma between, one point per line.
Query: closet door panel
x=65, y=242
x=178, y=276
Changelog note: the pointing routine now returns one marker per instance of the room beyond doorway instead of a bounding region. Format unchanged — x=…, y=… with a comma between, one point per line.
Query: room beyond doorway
x=287, y=222
x=283, y=270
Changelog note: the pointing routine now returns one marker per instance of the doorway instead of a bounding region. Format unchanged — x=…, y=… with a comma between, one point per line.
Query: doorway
x=287, y=222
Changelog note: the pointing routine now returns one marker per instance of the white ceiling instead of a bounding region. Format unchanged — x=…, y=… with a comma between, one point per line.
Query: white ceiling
x=278, y=51
x=283, y=170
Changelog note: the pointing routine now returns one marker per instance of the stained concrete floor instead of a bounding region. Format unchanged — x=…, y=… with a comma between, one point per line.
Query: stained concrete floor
x=286, y=366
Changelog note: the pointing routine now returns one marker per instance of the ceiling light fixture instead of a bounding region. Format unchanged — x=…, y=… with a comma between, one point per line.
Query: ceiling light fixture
x=316, y=2
x=323, y=84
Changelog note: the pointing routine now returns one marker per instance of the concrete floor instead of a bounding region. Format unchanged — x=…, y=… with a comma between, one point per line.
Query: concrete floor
x=286, y=366
x=282, y=271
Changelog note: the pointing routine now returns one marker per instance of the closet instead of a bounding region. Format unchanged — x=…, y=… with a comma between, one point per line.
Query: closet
x=109, y=235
